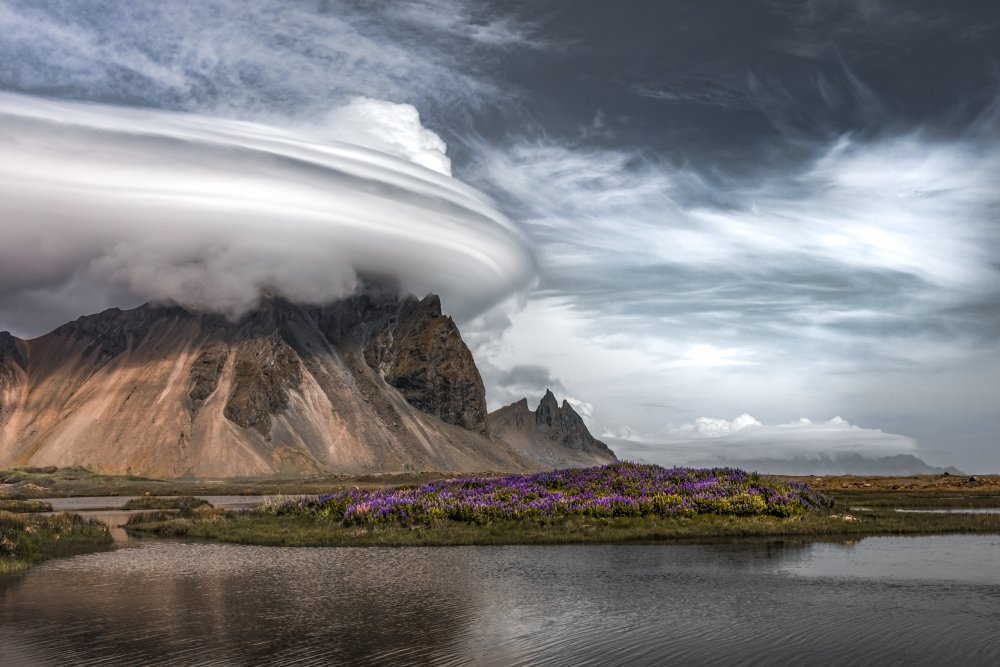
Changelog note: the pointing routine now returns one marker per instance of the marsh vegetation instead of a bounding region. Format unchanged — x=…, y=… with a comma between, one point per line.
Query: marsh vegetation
x=180, y=503
x=24, y=506
x=28, y=539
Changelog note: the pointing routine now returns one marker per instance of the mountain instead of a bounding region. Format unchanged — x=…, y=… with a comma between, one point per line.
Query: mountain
x=373, y=383
x=834, y=463
x=847, y=464
x=551, y=434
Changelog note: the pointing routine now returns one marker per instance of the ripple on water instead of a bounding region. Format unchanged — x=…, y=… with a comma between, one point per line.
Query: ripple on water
x=178, y=603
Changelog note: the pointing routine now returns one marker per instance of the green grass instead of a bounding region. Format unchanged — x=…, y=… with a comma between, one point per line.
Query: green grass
x=169, y=503
x=35, y=482
x=268, y=530
x=27, y=540
x=52, y=482
x=14, y=505
x=942, y=499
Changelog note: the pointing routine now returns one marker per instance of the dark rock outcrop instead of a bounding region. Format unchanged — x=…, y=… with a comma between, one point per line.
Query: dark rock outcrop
x=10, y=351
x=266, y=370
x=13, y=362
x=551, y=433
x=206, y=371
x=421, y=353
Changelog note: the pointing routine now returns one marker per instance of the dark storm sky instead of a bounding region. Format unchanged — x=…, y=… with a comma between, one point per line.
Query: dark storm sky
x=786, y=209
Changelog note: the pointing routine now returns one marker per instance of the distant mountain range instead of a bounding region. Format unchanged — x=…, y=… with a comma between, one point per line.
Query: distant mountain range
x=376, y=382
x=847, y=464
x=841, y=463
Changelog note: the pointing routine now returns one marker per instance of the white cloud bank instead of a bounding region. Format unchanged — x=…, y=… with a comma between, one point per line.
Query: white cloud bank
x=710, y=440
x=208, y=212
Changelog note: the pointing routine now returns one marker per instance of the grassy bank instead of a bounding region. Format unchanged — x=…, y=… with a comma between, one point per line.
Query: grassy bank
x=944, y=499
x=181, y=503
x=74, y=481
x=273, y=530
x=26, y=540
x=23, y=506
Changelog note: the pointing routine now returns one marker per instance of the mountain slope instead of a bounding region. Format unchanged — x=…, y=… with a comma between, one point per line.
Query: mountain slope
x=551, y=434
x=373, y=383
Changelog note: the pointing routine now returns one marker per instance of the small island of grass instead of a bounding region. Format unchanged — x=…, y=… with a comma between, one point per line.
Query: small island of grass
x=27, y=540
x=182, y=503
x=616, y=502
x=619, y=502
x=24, y=506
x=614, y=490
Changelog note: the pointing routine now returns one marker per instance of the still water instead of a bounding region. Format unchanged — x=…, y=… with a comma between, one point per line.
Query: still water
x=880, y=601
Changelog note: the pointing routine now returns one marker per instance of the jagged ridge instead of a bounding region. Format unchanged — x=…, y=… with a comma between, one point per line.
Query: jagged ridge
x=375, y=382
x=552, y=434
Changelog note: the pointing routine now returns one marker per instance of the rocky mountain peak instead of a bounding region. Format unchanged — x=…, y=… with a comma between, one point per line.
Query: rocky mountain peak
x=421, y=353
x=554, y=432
x=378, y=381
x=547, y=414
x=9, y=349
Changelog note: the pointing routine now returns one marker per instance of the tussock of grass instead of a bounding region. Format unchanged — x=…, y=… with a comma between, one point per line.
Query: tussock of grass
x=26, y=540
x=182, y=503
x=15, y=505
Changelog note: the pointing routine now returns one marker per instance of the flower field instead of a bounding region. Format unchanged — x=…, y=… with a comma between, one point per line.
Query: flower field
x=617, y=489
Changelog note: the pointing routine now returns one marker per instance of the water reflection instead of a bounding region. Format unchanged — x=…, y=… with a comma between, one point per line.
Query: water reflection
x=739, y=603
x=181, y=603
x=968, y=559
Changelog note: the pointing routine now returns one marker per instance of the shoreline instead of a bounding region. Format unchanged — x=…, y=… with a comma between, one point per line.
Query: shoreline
x=862, y=507
x=259, y=529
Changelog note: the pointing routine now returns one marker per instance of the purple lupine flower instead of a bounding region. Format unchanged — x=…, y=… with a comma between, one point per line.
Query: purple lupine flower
x=619, y=489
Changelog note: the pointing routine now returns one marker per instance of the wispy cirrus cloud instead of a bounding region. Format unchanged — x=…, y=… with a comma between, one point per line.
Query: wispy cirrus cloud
x=870, y=238
x=789, y=291
x=264, y=60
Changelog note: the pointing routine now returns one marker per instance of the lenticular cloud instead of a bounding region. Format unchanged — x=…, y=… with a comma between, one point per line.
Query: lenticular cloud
x=208, y=213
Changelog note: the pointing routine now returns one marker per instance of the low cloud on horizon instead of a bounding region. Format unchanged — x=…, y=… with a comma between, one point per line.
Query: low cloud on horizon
x=721, y=441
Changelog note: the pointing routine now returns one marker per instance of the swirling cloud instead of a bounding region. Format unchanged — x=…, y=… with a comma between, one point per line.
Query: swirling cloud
x=208, y=212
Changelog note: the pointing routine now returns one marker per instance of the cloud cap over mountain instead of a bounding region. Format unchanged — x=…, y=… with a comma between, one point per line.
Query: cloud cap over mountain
x=208, y=212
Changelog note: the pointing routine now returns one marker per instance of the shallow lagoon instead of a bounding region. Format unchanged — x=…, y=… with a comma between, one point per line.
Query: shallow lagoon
x=883, y=600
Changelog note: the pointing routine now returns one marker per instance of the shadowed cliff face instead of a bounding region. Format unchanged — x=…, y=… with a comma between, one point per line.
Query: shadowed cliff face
x=423, y=355
x=550, y=433
x=11, y=352
x=266, y=370
x=373, y=383
x=13, y=362
x=206, y=372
